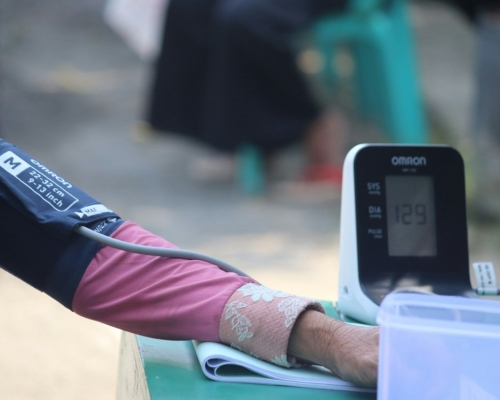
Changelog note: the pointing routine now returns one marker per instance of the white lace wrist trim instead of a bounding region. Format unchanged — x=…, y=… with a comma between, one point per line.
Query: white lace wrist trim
x=258, y=321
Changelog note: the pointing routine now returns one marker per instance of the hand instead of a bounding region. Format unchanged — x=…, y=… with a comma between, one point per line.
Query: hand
x=354, y=354
x=349, y=351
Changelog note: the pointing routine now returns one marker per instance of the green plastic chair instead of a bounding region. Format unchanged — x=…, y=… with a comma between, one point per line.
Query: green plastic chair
x=251, y=174
x=386, y=78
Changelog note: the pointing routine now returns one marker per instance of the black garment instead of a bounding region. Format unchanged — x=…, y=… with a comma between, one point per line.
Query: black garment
x=471, y=8
x=226, y=74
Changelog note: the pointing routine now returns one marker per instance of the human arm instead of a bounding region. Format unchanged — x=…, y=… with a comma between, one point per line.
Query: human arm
x=166, y=298
x=188, y=299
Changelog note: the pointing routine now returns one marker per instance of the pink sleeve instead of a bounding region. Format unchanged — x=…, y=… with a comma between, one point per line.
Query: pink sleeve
x=165, y=298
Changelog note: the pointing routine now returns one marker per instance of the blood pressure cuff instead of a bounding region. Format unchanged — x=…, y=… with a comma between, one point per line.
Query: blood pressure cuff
x=38, y=213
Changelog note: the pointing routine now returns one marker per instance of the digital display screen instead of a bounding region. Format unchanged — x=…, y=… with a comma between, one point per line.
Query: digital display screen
x=411, y=216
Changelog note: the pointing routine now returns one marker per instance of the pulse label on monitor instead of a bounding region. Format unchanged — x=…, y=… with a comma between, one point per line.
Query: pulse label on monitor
x=376, y=233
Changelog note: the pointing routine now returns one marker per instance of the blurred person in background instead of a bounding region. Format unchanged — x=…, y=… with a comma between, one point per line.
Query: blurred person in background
x=485, y=14
x=227, y=75
x=485, y=137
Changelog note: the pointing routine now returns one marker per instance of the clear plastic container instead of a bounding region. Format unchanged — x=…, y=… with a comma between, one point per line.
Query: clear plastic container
x=438, y=347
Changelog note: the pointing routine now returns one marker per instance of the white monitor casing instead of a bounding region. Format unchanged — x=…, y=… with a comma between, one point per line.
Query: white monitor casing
x=352, y=300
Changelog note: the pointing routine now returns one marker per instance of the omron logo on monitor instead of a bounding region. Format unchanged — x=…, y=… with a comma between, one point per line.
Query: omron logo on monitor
x=403, y=225
x=409, y=161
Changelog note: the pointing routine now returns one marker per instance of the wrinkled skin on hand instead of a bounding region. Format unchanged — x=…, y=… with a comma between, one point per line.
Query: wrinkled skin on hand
x=349, y=351
x=354, y=354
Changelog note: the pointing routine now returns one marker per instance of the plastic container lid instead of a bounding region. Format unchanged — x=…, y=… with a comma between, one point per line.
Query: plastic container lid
x=438, y=347
x=445, y=314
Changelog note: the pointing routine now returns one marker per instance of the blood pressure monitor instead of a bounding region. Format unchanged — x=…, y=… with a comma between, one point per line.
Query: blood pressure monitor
x=403, y=225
